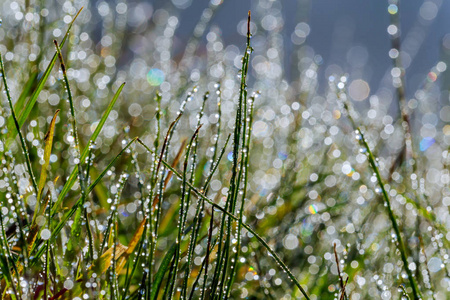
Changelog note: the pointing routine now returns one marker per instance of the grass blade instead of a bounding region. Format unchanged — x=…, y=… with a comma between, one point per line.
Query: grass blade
x=72, y=178
x=131, y=245
x=48, y=141
x=30, y=104
x=17, y=125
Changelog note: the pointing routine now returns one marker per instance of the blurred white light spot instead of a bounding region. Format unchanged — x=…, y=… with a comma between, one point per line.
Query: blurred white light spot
x=290, y=242
x=359, y=90
x=434, y=264
x=45, y=234
x=428, y=10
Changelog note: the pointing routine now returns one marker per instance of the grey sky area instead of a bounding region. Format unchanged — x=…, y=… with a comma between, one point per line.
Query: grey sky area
x=339, y=25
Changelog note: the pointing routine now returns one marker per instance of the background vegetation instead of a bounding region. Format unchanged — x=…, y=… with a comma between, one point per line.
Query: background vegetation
x=135, y=166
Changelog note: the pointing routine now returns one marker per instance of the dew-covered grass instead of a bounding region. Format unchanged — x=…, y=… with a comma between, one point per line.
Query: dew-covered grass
x=135, y=166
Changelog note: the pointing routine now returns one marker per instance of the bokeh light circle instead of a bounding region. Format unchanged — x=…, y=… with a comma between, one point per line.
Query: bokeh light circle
x=155, y=77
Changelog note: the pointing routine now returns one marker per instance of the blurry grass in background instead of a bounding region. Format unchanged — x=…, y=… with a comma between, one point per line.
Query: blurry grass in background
x=209, y=174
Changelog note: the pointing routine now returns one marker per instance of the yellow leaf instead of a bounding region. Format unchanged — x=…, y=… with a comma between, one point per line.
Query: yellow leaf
x=48, y=141
x=133, y=243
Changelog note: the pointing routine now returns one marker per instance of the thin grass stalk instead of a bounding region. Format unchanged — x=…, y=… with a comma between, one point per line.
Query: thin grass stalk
x=72, y=178
x=114, y=216
x=371, y=158
x=400, y=245
x=208, y=253
x=231, y=202
x=113, y=264
x=183, y=208
x=90, y=236
x=201, y=203
x=343, y=293
x=129, y=276
x=242, y=168
x=188, y=199
x=77, y=158
x=88, y=226
x=341, y=280
x=200, y=206
x=107, y=232
x=404, y=292
x=166, y=155
x=163, y=154
x=47, y=255
x=16, y=123
x=237, y=168
x=7, y=257
x=148, y=205
x=154, y=179
x=159, y=196
x=219, y=121
x=246, y=166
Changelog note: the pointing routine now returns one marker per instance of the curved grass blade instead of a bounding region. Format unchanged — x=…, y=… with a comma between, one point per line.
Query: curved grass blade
x=72, y=178
x=165, y=264
x=135, y=265
x=48, y=142
x=131, y=245
x=400, y=245
x=17, y=125
x=29, y=106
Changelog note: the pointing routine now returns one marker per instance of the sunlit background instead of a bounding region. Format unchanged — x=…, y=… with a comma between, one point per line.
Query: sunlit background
x=310, y=185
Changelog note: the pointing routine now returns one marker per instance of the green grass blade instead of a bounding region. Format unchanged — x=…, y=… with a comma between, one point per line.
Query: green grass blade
x=400, y=245
x=246, y=166
x=182, y=211
x=17, y=125
x=72, y=178
x=159, y=276
x=199, y=212
x=30, y=104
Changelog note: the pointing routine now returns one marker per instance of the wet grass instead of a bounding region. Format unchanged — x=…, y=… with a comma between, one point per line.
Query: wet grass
x=176, y=207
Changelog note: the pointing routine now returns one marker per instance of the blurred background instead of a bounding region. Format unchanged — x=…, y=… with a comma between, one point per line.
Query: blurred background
x=310, y=185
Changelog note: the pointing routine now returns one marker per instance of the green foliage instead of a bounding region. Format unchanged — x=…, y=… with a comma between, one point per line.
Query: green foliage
x=213, y=197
